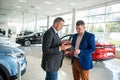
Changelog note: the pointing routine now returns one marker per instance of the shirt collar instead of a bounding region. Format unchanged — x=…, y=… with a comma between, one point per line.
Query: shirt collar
x=81, y=34
x=55, y=30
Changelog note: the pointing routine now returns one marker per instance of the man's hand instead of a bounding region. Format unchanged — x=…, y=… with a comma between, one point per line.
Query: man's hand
x=66, y=42
x=64, y=46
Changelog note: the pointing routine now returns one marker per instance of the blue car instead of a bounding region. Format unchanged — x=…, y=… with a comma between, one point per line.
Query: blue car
x=10, y=57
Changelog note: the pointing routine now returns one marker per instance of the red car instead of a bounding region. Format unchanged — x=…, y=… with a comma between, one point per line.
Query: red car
x=104, y=50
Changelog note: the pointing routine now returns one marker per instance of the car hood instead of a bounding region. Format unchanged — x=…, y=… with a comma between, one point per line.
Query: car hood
x=5, y=49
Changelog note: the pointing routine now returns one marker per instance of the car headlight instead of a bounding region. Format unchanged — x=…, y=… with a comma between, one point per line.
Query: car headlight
x=16, y=55
x=12, y=55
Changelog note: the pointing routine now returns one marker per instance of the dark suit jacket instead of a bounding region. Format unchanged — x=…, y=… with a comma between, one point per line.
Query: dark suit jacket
x=52, y=57
x=87, y=46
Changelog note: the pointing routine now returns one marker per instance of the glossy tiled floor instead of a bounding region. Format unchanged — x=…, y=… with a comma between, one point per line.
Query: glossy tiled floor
x=107, y=70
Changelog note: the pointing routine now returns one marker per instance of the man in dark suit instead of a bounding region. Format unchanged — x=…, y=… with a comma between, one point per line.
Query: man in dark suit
x=53, y=50
x=84, y=44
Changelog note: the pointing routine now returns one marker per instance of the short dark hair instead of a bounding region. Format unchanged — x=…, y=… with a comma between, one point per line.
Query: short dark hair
x=80, y=22
x=58, y=19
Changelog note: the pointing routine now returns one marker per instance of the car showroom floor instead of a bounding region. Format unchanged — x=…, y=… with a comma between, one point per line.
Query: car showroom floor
x=106, y=70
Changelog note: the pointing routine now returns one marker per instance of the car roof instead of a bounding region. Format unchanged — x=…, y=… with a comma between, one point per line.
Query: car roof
x=34, y=33
x=67, y=35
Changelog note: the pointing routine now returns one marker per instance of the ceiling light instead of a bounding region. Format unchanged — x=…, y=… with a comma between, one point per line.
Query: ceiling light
x=48, y=2
x=59, y=9
x=17, y=6
x=23, y=1
x=38, y=7
x=31, y=11
x=73, y=4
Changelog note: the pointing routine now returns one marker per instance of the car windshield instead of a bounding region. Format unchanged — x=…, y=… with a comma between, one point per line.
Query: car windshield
x=24, y=33
x=31, y=34
x=38, y=34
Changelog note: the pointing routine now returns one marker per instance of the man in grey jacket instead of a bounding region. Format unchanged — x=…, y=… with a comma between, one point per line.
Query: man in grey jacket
x=53, y=50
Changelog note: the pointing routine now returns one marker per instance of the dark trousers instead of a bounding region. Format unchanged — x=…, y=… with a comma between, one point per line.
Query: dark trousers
x=51, y=76
x=78, y=72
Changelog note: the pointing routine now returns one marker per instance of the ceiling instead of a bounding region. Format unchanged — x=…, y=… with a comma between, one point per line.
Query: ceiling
x=13, y=10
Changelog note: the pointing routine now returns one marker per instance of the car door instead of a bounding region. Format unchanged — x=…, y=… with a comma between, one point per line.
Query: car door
x=41, y=37
x=37, y=38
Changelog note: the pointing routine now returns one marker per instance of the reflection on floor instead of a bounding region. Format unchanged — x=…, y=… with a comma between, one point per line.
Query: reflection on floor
x=107, y=70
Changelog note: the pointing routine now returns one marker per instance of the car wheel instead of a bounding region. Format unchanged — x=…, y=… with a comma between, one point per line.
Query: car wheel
x=2, y=77
x=27, y=43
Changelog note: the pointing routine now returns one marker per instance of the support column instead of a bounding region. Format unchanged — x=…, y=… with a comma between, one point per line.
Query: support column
x=36, y=22
x=48, y=19
x=73, y=20
x=104, y=27
x=23, y=22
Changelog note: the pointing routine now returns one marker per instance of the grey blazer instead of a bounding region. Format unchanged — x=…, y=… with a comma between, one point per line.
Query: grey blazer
x=51, y=57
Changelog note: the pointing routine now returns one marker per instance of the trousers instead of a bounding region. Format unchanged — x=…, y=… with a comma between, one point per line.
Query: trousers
x=51, y=76
x=78, y=72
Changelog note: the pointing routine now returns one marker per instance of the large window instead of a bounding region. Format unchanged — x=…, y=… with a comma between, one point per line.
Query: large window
x=82, y=15
x=112, y=17
x=67, y=25
x=113, y=8
x=42, y=25
x=104, y=22
x=97, y=11
x=96, y=19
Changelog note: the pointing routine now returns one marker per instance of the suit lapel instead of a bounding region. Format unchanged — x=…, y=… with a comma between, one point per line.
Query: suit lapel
x=56, y=36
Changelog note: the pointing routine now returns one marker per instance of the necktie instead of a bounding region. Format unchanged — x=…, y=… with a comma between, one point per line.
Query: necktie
x=57, y=35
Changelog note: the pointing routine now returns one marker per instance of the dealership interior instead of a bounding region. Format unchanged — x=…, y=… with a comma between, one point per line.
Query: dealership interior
x=21, y=18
